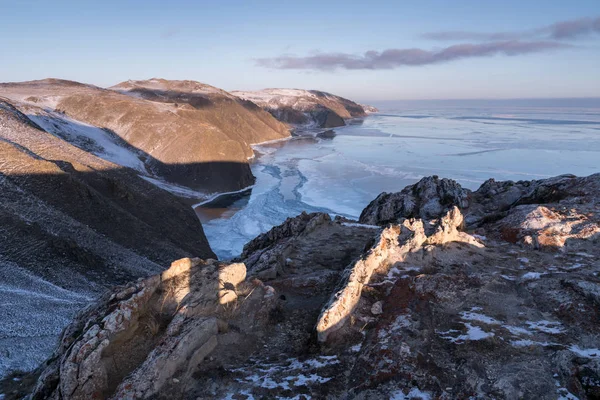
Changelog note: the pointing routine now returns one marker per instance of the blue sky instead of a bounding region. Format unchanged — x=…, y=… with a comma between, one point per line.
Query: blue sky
x=223, y=42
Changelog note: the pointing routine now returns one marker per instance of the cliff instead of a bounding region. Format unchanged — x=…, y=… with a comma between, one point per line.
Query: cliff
x=305, y=108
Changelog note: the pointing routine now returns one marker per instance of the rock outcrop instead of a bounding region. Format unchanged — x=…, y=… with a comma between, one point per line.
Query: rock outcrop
x=145, y=337
x=424, y=304
x=184, y=132
x=430, y=198
x=305, y=108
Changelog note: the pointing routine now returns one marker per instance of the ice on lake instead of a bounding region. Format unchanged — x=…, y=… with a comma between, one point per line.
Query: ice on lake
x=395, y=148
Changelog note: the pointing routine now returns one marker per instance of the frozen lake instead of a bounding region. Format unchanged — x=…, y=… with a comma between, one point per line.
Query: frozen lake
x=387, y=151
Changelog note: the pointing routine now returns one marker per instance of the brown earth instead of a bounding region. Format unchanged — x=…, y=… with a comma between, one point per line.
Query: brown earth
x=192, y=134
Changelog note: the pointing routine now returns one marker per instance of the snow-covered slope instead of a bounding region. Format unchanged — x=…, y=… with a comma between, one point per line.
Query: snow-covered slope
x=98, y=141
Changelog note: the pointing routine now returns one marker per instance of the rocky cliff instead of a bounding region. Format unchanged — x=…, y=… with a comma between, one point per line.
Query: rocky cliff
x=184, y=132
x=306, y=108
x=73, y=224
x=438, y=292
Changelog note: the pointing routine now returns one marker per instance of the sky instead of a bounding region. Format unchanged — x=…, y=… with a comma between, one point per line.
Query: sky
x=368, y=50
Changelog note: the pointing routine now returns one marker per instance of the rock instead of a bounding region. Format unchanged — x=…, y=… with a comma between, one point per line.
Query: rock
x=146, y=335
x=377, y=308
x=395, y=244
x=329, y=134
x=429, y=198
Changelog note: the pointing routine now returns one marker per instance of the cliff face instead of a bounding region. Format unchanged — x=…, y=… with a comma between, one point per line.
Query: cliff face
x=185, y=132
x=308, y=108
x=441, y=292
x=71, y=225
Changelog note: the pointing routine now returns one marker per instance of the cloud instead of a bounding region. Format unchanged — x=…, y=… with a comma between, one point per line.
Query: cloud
x=564, y=30
x=394, y=58
x=574, y=28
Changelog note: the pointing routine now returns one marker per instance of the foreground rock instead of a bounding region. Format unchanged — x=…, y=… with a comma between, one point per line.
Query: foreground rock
x=71, y=225
x=146, y=337
x=184, y=132
x=306, y=108
x=418, y=307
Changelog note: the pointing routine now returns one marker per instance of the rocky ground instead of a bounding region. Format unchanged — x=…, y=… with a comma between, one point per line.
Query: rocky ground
x=437, y=292
x=307, y=108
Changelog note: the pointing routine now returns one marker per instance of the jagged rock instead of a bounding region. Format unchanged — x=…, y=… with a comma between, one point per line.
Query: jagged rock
x=143, y=336
x=429, y=198
x=540, y=227
x=377, y=308
x=395, y=243
x=309, y=242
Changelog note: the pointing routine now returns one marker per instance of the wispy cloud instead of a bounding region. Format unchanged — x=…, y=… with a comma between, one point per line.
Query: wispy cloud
x=563, y=30
x=574, y=28
x=394, y=58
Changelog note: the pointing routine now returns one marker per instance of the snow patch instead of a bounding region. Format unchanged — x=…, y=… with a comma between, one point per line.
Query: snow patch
x=413, y=394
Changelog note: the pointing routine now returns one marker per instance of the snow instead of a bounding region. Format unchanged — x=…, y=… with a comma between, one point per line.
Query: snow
x=473, y=333
x=89, y=138
x=413, y=394
x=550, y=327
x=357, y=225
x=515, y=330
x=287, y=374
x=471, y=316
x=531, y=276
x=564, y=394
x=302, y=380
x=587, y=353
x=527, y=343
x=48, y=309
x=178, y=190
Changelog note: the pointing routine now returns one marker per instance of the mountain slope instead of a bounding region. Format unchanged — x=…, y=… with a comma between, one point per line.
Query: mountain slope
x=185, y=132
x=72, y=224
x=310, y=108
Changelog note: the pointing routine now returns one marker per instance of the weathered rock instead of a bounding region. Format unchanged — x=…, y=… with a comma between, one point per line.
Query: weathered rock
x=136, y=340
x=540, y=227
x=328, y=134
x=395, y=244
x=430, y=198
